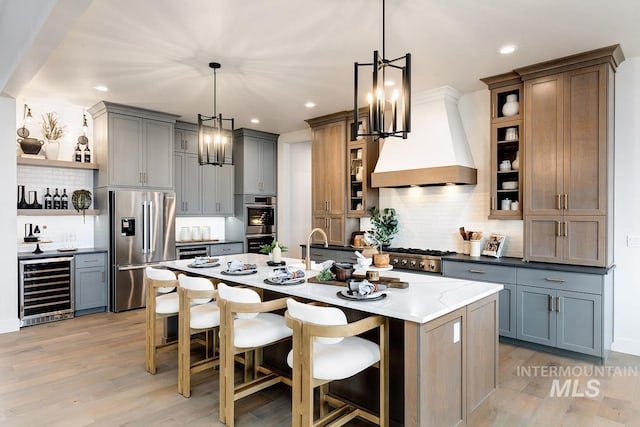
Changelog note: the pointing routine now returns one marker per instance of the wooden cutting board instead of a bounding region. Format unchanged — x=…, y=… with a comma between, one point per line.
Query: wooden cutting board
x=390, y=282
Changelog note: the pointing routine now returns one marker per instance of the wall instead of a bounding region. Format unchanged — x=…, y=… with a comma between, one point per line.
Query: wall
x=627, y=207
x=429, y=217
x=215, y=224
x=8, y=249
x=294, y=190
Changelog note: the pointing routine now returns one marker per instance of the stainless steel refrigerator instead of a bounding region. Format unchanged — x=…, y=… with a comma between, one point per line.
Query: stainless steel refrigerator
x=141, y=232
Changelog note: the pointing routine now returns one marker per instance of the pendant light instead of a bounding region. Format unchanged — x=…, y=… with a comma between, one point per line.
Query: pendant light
x=389, y=107
x=214, y=140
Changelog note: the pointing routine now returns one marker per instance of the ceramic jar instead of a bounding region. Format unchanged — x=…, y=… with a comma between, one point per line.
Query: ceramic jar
x=505, y=204
x=505, y=165
x=516, y=162
x=511, y=107
x=474, y=247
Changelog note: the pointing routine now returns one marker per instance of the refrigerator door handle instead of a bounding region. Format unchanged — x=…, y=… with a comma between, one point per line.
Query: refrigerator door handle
x=144, y=227
x=150, y=229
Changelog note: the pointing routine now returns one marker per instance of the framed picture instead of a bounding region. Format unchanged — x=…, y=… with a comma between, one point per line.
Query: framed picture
x=494, y=245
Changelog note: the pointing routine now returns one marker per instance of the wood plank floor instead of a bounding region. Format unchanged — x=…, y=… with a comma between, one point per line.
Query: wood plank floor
x=89, y=371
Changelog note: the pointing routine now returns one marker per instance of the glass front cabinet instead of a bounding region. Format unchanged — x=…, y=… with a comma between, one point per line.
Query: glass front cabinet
x=362, y=155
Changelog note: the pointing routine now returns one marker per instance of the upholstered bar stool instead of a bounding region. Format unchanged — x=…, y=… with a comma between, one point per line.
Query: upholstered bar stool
x=161, y=302
x=198, y=316
x=246, y=326
x=325, y=349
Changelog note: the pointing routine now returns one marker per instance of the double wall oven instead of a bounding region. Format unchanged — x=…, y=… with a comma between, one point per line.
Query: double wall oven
x=259, y=217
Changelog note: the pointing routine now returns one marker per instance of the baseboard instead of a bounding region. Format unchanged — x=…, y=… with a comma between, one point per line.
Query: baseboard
x=9, y=325
x=628, y=346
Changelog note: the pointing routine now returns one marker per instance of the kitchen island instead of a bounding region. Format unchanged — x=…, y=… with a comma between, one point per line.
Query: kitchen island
x=444, y=337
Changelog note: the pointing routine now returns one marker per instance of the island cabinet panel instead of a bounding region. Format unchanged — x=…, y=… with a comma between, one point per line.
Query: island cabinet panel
x=90, y=288
x=507, y=311
x=537, y=321
x=455, y=367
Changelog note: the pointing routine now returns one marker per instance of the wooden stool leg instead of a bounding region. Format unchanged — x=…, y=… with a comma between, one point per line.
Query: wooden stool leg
x=150, y=342
x=324, y=405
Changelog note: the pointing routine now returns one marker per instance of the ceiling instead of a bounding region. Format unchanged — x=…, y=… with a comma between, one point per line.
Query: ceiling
x=278, y=54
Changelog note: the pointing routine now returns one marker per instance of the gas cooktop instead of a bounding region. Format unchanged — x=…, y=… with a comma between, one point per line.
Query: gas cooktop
x=414, y=251
x=417, y=259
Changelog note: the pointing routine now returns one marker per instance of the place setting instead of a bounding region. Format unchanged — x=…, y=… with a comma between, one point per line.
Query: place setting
x=362, y=290
x=286, y=276
x=238, y=268
x=204, y=262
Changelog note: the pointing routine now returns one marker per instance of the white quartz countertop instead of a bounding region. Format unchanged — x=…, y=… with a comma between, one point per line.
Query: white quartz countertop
x=427, y=297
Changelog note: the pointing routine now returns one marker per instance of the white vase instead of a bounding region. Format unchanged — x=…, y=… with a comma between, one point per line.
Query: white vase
x=276, y=254
x=51, y=150
x=511, y=107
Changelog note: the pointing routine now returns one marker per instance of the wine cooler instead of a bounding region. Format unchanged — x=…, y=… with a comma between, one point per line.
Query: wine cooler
x=46, y=290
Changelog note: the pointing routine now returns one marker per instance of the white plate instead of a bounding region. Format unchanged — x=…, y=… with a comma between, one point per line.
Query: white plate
x=239, y=272
x=205, y=265
x=345, y=293
x=297, y=281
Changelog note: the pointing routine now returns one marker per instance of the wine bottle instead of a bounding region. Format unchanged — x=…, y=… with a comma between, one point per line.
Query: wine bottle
x=56, y=200
x=78, y=154
x=64, y=200
x=87, y=155
x=48, y=201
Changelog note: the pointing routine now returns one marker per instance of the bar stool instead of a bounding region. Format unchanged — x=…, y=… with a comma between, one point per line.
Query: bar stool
x=198, y=316
x=326, y=348
x=161, y=303
x=246, y=326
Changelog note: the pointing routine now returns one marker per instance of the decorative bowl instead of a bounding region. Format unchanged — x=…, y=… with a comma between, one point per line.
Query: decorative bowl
x=510, y=185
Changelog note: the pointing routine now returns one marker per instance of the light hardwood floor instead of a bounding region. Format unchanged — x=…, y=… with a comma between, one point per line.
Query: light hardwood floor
x=90, y=371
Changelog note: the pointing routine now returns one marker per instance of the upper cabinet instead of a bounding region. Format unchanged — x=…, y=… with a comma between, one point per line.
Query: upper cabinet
x=255, y=158
x=186, y=138
x=506, y=146
x=134, y=147
x=362, y=156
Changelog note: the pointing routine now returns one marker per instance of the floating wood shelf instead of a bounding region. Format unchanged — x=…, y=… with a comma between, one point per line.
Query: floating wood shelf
x=56, y=163
x=55, y=212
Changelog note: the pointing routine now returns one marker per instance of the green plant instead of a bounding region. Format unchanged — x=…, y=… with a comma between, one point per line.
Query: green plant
x=266, y=249
x=81, y=200
x=50, y=127
x=384, y=225
x=325, y=274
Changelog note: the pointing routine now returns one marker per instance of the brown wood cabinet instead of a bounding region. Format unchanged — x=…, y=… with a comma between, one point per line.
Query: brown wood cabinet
x=329, y=178
x=568, y=123
x=362, y=156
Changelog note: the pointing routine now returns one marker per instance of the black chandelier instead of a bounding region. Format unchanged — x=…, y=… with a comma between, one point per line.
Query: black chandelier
x=214, y=140
x=388, y=114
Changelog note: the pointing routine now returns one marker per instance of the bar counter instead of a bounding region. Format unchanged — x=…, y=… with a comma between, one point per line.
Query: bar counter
x=447, y=345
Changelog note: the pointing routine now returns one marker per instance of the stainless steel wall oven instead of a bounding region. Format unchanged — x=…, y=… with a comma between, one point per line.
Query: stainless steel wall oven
x=45, y=290
x=259, y=214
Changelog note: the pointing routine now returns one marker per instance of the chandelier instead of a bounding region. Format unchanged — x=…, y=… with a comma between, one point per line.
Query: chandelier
x=214, y=140
x=389, y=107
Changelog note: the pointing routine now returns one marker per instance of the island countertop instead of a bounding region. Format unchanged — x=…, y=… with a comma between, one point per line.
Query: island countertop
x=427, y=297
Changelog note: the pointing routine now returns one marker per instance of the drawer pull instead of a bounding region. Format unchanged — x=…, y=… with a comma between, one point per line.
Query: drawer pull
x=476, y=271
x=226, y=249
x=553, y=279
x=558, y=304
x=91, y=260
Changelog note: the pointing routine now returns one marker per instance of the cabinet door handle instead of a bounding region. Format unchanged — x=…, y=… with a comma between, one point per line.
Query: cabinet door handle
x=550, y=302
x=566, y=229
x=558, y=233
x=103, y=278
x=558, y=206
x=558, y=304
x=186, y=144
x=476, y=271
x=565, y=201
x=140, y=177
x=493, y=203
x=554, y=279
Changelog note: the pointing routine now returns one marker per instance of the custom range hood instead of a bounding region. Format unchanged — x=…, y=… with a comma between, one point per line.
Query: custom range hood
x=436, y=151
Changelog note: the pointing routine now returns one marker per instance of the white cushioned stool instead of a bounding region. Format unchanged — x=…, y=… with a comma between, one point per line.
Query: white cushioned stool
x=199, y=315
x=161, y=302
x=245, y=327
x=325, y=349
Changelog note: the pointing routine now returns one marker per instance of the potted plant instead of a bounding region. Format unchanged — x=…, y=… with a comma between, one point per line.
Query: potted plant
x=51, y=131
x=384, y=226
x=275, y=255
x=81, y=200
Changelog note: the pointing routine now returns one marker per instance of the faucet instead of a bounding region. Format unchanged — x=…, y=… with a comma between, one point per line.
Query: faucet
x=307, y=260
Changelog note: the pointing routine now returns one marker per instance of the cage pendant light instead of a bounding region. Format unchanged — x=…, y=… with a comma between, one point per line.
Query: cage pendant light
x=389, y=107
x=214, y=139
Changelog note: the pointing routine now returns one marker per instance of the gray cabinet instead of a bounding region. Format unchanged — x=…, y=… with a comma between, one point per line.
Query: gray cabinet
x=321, y=254
x=188, y=184
x=186, y=138
x=220, y=249
x=217, y=190
x=505, y=275
x=90, y=288
x=567, y=310
x=255, y=157
x=133, y=146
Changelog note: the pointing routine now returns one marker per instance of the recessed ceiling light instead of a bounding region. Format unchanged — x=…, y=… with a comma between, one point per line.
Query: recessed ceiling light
x=507, y=49
x=310, y=104
x=255, y=121
x=101, y=88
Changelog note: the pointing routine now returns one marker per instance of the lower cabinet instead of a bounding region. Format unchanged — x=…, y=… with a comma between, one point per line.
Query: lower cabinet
x=91, y=285
x=325, y=254
x=561, y=309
